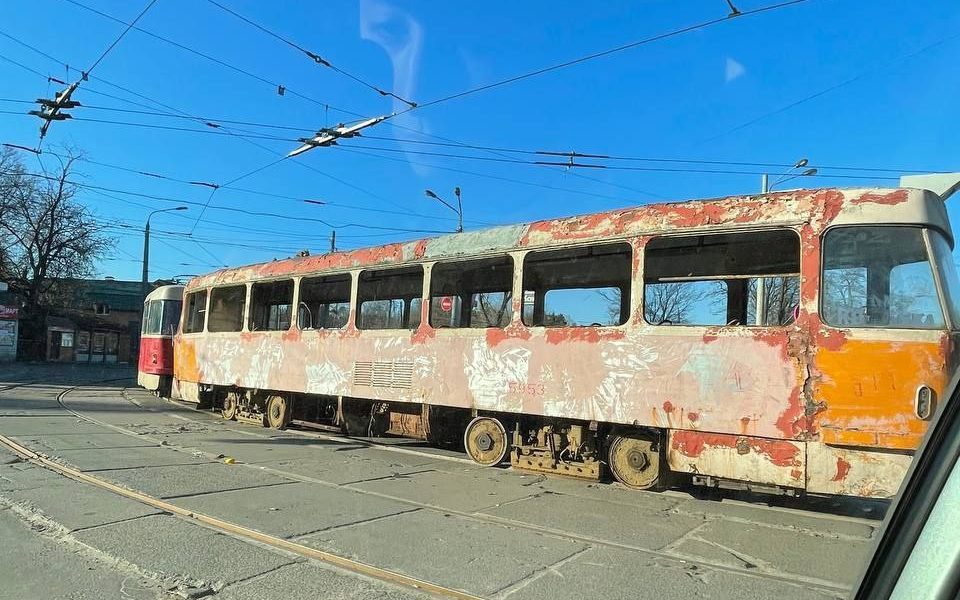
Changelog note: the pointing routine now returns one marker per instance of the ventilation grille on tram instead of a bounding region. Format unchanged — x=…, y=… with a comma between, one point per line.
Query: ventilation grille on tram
x=384, y=373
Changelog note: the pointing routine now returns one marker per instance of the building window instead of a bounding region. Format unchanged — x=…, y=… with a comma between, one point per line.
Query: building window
x=577, y=287
x=879, y=277
x=271, y=305
x=101, y=308
x=112, y=343
x=324, y=302
x=473, y=293
x=390, y=299
x=83, y=342
x=196, y=312
x=99, y=339
x=226, y=308
x=745, y=279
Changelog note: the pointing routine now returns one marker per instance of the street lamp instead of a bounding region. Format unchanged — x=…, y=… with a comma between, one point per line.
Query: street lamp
x=146, y=248
x=458, y=209
x=786, y=176
x=333, y=232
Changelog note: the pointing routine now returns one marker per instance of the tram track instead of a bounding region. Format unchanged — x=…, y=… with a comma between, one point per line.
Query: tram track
x=476, y=516
x=222, y=525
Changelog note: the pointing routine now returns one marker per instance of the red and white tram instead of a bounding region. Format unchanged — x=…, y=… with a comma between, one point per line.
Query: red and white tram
x=161, y=318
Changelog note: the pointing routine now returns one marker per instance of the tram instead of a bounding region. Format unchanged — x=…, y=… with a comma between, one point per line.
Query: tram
x=161, y=317
x=791, y=342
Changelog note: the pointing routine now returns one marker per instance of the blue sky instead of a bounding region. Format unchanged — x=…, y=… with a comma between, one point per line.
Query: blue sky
x=684, y=97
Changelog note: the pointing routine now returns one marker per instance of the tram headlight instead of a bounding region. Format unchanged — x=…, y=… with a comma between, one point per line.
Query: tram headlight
x=923, y=404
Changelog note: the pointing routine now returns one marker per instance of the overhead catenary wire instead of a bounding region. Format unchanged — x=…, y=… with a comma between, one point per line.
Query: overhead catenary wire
x=832, y=88
x=120, y=37
x=596, y=166
x=233, y=228
x=313, y=56
x=499, y=149
x=227, y=132
x=607, y=52
x=331, y=203
x=288, y=217
x=221, y=62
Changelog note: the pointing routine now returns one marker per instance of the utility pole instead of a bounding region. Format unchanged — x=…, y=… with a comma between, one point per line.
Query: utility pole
x=333, y=241
x=764, y=183
x=144, y=281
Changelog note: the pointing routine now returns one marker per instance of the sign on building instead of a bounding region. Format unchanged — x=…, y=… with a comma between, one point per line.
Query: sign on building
x=8, y=333
x=8, y=312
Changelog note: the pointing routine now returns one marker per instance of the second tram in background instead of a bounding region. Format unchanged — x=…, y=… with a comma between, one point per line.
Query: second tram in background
x=161, y=319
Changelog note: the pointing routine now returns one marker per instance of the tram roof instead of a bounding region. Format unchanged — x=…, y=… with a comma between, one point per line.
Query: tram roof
x=821, y=207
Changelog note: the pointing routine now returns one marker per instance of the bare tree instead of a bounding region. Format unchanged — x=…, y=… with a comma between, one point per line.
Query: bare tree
x=671, y=302
x=845, y=295
x=47, y=238
x=488, y=312
x=781, y=295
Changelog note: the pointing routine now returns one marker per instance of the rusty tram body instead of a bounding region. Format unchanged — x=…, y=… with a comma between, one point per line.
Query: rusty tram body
x=789, y=342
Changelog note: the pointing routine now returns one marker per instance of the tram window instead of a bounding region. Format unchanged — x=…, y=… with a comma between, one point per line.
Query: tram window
x=736, y=279
x=577, y=287
x=475, y=293
x=152, y=317
x=390, y=299
x=196, y=312
x=324, y=302
x=226, y=308
x=879, y=277
x=171, y=316
x=271, y=305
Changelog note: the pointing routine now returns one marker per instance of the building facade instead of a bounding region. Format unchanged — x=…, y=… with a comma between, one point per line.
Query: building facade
x=9, y=325
x=99, y=323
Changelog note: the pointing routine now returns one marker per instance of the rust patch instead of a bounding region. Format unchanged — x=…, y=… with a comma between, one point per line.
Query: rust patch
x=843, y=469
x=513, y=331
x=590, y=335
x=423, y=334
x=692, y=444
x=890, y=198
x=420, y=249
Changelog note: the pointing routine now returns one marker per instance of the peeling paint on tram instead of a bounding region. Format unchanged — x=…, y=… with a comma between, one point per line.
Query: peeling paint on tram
x=803, y=406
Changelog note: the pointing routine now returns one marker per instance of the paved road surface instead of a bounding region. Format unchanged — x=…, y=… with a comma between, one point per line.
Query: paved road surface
x=401, y=506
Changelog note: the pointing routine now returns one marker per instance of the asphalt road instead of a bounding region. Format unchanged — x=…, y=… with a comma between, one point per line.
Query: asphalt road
x=396, y=505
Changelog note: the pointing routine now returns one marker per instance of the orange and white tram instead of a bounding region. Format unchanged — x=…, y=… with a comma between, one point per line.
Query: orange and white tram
x=794, y=341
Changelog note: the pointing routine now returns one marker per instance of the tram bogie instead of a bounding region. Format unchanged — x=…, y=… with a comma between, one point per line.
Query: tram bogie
x=571, y=449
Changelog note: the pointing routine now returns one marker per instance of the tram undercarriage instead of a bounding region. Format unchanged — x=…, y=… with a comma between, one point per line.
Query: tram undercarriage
x=583, y=450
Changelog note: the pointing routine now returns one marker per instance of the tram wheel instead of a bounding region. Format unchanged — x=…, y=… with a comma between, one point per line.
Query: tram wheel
x=278, y=412
x=485, y=440
x=634, y=461
x=229, y=409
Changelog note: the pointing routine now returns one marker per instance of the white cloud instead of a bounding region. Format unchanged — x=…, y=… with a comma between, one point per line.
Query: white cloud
x=733, y=70
x=401, y=37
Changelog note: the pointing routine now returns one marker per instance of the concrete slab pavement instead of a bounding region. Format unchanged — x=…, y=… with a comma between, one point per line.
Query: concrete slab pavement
x=188, y=480
x=167, y=544
x=78, y=505
x=611, y=573
x=481, y=558
x=308, y=582
x=295, y=509
x=533, y=537
x=33, y=566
